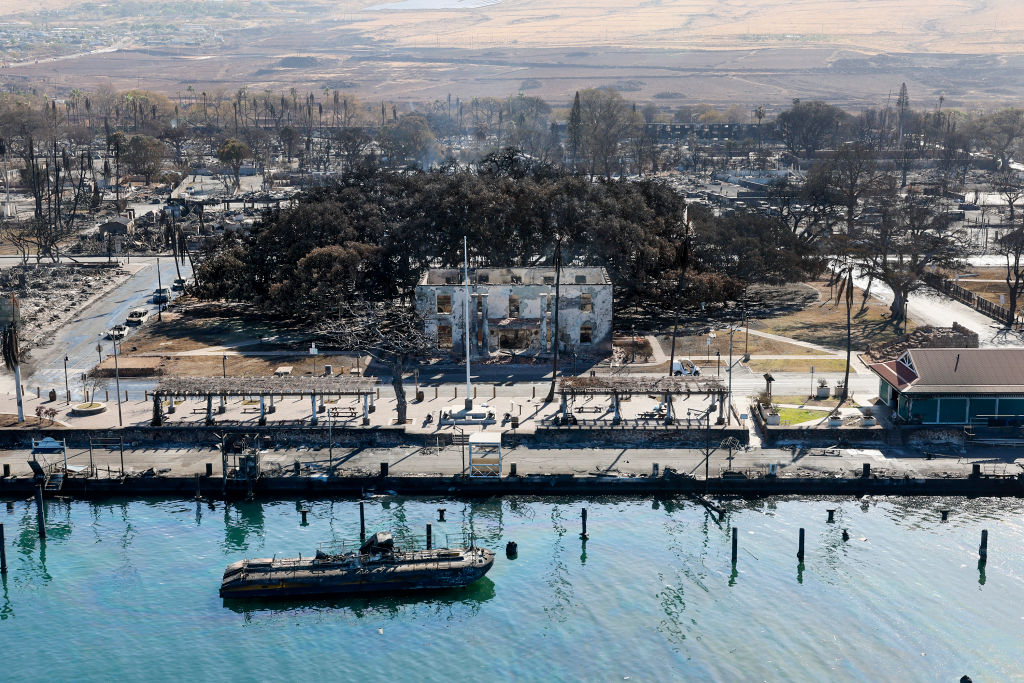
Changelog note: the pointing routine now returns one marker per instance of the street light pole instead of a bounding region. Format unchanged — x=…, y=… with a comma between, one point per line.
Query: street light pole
x=159, y=286
x=224, y=374
x=117, y=384
x=67, y=387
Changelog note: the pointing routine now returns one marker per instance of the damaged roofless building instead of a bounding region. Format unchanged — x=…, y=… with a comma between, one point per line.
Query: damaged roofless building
x=512, y=309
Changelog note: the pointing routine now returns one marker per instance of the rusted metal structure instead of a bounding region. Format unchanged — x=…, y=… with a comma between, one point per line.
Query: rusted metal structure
x=618, y=387
x=263, y=387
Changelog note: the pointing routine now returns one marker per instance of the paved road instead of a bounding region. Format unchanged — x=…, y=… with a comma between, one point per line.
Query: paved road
x=79, y=337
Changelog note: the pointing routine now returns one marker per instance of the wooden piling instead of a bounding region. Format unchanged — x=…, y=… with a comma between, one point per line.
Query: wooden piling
x=735, y=544
x=831, y=516
x=800, y=547
x=304, y=512
x=494, y=391
x=440, y=514
x=3, y=551
x=430, y=537
x=983, y=548
x=945, y=515
x=362, y=522
x=41, y=514
x=583, y=517
x=435, y=392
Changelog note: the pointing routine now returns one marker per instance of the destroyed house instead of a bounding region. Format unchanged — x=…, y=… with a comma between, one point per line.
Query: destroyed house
x=512, y=309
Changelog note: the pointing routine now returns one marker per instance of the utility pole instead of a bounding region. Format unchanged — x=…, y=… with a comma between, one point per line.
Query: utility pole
x=465, y=267
x=67, y=387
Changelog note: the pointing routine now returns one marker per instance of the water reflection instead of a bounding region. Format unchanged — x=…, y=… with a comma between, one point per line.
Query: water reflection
x=6, y=609
x=447, y=604
x=242, y=520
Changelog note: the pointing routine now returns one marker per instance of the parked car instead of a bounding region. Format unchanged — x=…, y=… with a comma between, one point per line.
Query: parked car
x=137, y=316
x=117, y=332
x=179, y=284
x=161, y=296
x=685, y=367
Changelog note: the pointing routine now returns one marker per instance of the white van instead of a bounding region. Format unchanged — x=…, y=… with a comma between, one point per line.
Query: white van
x=685, y=367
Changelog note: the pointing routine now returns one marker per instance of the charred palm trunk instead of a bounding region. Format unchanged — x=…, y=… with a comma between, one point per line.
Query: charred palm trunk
x=554, y=336
x=399, y=387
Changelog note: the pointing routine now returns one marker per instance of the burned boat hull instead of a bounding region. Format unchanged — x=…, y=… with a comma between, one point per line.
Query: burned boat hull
x=354, y=573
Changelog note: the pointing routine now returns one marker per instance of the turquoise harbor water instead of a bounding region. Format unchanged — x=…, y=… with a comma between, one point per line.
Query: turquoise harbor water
x=128, y=591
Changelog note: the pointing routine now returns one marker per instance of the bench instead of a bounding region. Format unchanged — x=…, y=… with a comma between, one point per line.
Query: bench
x=591, y=409
x=342, y=412
x=650, y=415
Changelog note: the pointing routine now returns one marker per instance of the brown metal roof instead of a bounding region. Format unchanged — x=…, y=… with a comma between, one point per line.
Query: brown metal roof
x=962, y=371
x=895, y=373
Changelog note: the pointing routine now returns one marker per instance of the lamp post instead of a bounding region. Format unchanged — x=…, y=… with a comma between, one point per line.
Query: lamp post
x=743, y=359
x=223, y=373
x=117, y=384
x=159, y=286
x=67, y=387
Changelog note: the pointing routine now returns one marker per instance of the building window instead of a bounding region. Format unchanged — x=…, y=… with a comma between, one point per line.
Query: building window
x=549, y=279
x=513, y=306
x=444, y=304
x=479, y=305
x=517, y=279
x=581, y=279
x=586, y=303
x=586, y=334
x=444, y=336
x=483, y=278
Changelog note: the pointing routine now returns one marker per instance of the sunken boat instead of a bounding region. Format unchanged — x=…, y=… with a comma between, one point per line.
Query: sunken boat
x=378, y=566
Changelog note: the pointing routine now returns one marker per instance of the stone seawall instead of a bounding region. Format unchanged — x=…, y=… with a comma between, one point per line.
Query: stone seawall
x=533, y=485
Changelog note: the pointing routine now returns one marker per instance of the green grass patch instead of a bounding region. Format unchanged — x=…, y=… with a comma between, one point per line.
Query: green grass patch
x=792, y=416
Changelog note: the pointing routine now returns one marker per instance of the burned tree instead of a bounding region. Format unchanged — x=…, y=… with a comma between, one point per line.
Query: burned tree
x=391, y=333
x=1011, y=247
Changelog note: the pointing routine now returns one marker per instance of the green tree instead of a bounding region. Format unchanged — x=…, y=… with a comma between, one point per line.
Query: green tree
x=234, y=152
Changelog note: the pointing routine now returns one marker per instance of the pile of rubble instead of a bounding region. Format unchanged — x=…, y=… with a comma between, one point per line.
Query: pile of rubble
x=49, y=295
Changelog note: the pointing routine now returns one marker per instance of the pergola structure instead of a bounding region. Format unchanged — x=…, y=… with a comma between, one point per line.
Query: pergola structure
x=209, y=387
x=615, y=387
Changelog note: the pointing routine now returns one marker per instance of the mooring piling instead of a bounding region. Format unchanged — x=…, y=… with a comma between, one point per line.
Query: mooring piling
x=3, y=551
x=846, y=535
x=831, y=515
x=440, y=514
x=945, y=515
x=430, y=537
x=362, y=522
x=800, y=547
x=41, y=515
x=983, y=548
x=304, y=511
x=583, y=517
x=735, y=544
x=199, y=493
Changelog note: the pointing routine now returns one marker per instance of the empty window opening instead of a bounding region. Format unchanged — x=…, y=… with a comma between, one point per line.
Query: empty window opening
x=513, y=306
x=479, y=305
x=444, y=304
x=586, y=303
x=586, y=334
x=581, y=279
x=514, y=339
x=483, y=278
x=549, y=279
x=517, y=279
x=444, y=336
